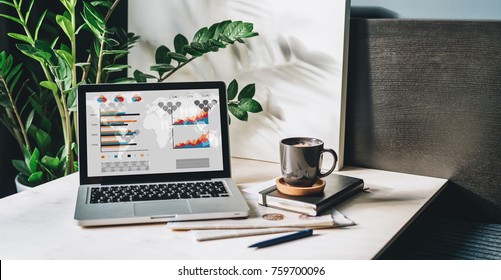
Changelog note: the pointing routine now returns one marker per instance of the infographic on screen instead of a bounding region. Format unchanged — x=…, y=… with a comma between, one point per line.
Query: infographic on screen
x=130, y=133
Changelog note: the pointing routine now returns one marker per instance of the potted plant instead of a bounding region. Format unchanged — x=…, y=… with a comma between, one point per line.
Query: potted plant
x=39, y=111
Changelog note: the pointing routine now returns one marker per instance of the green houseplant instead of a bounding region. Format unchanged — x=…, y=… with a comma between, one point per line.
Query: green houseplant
x=38, y=97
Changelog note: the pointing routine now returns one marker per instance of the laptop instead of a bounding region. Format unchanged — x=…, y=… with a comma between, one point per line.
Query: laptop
x=154, y=152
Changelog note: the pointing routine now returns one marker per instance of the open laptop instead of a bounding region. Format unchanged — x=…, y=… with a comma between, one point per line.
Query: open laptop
x=154, y=152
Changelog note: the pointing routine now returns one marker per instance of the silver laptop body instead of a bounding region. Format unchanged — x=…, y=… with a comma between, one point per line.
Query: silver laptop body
x=150, y=136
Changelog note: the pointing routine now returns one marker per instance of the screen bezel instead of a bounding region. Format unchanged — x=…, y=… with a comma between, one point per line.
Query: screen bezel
x=163, y=177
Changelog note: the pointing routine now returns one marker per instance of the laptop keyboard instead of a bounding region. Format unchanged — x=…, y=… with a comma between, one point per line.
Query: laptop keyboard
x=131, y=193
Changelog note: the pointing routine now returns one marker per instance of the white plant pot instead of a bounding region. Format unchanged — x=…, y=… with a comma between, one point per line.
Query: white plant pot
x=19, y=186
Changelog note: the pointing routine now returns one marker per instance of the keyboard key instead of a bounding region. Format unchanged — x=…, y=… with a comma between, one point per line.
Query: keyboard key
x=143, y=192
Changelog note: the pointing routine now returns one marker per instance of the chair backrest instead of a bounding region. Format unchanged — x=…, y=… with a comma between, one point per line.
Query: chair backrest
x=424, y=97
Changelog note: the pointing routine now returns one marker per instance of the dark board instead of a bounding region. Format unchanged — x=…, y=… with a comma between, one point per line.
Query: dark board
x=424, y=97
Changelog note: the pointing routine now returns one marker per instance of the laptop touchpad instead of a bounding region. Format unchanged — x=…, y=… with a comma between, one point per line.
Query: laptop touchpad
x=162, y=208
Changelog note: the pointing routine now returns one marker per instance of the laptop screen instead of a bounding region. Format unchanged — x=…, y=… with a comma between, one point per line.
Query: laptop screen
x=146, y=129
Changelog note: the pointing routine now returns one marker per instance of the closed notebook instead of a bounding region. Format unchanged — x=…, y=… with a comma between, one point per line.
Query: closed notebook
x=337, y=189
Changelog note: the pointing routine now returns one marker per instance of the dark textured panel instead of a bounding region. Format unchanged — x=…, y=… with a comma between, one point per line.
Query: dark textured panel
x=424, y=97
x=446, y=239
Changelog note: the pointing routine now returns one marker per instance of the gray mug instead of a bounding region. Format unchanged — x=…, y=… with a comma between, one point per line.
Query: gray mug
x=301, y=160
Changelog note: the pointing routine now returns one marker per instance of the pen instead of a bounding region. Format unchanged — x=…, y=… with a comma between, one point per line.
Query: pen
x=282, y=239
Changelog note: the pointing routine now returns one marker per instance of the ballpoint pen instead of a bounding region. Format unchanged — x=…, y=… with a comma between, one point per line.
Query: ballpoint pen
x=282, y=239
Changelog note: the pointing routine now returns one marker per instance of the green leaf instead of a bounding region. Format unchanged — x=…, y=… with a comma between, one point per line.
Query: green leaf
x=247, y=92
x=46, y=124
x=36, y=178
x=66, y=26
x=199, y=47
x=2, y=58
x=243, y=30
x=21, y=167
x=202, y=35
x=193, y=52
x=93, y=20
x=29, y=120
x=62, y=153
x=66, y=55
x=116, y=52
x=27, y=155
x=62, y=73
x=74, y=147
x=229, y=31
x=45, y=47
x=179, y=44
x=72, y=100
x=35, y=156
x=141, y=77
x=5, y=101
x=250, y=35
x=12, y=18
x=69, y=4
x=250, y=105
x=220, y=28
x=82, y=64
x=210, y=46
x=115, y=67
x=232, y=90
x=110, y=42
x=106, y=4
x=217, y=43
x=39, y=23
x=212, y=30
x=33, y=52
x=7, y=64
x=28, y=11
x=50, y=162
x=49, y=85
x=162, y=55
x=237, y=112
x=91, y=11
x=162, y=68
x=178, y=57
x=7, y=3
x=15, y=71
x=225, y=38
x=14, y=81
x=43, y=139
x=9, y=122
x=21, y=37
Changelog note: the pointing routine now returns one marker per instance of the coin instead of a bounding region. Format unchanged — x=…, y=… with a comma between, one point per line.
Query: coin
x=273, y=217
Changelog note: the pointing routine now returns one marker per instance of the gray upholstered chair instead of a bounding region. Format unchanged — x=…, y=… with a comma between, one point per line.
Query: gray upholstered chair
x=424, y=97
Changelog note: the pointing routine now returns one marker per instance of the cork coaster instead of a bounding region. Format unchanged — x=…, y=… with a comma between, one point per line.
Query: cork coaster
x=287, y=189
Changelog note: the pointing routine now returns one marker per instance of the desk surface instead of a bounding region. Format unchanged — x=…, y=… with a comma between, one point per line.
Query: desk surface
x=39, y=224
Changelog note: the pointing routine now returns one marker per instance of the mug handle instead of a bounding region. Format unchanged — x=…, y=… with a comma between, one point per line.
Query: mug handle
x=331, y=151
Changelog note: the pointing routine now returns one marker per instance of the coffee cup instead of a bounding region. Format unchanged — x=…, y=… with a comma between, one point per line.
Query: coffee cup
x=301, y=160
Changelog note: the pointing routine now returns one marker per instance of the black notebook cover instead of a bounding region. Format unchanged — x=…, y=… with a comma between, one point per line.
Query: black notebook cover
x=337, y=189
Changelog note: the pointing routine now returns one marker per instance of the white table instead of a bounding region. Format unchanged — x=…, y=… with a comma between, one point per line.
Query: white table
x=39, y=224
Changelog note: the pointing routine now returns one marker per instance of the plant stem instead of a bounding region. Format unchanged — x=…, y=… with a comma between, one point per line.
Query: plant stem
x=100, y=60
x=111, y=10
x=89, y=57
x=68, y=138
x=73, y=50
x=44, y=68
x=75, y=127
x=17, y=117
x=181, y=65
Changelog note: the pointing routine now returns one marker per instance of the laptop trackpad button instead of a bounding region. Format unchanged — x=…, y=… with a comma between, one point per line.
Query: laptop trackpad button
x=151, y=208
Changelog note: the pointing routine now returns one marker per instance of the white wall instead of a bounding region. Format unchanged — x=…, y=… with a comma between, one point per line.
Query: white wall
x=437, y=9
